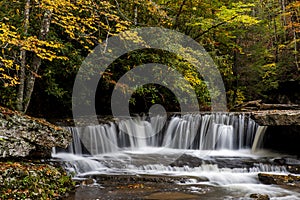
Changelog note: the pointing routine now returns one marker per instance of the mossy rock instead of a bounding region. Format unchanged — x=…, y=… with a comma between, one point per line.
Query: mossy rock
x=33, y=181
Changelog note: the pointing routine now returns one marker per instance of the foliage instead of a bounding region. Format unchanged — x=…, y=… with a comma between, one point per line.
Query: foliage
x=33, y=181
x=254, y=43
x=8, y=38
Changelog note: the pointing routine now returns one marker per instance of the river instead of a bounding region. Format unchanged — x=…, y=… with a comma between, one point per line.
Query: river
x=194, y=156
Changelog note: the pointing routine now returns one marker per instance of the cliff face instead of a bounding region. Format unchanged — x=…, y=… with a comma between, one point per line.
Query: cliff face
x=276, y=117
x=24, y=136
x=283, y=132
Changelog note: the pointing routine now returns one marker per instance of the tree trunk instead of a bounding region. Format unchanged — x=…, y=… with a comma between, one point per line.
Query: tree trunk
x=296, y=50
x=20, y=94
x=275, y=40
x=283, y=11
x=176, y=24
x=135, y=16
x=295, y=21
x=36, y=60
x=283, y=8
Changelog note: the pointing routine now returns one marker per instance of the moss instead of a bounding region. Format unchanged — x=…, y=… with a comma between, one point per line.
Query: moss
x=23, y=180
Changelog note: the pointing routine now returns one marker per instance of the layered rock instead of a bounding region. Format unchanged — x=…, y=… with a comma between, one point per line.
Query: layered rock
x=276, y=117
x=279, y=179
x=24, y=136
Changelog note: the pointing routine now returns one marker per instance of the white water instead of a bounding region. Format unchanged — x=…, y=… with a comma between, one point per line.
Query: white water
x=258, y=140
x=137, y=146
x=191, y=131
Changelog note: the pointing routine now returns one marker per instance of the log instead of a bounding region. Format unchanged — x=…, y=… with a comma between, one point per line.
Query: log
x=265, y=106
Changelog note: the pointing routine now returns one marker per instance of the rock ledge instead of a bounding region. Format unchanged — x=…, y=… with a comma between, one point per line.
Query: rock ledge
x=24, y=136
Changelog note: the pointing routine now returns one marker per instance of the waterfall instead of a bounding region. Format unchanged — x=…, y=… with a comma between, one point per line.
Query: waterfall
x=190, y=131
x=202, y=149
x=258, y=140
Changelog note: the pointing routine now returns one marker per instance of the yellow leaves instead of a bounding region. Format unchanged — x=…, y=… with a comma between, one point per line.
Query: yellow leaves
x=294, y=5
x=5, y=66
x=83, y=20
x=192, y=78
x=8, y=80
x=7, y=35
x=43, y=49
x=9, y=39
x=270, y=70
x=271, y=65
x=132, y=36
x=132, y=186
x=237, y=14
x=6, y=62
x=121, y=27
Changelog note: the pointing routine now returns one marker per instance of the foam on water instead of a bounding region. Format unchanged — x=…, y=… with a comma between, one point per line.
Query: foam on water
x=140, y=146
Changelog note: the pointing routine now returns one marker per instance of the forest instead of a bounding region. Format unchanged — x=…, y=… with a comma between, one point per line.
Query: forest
x=255, y=45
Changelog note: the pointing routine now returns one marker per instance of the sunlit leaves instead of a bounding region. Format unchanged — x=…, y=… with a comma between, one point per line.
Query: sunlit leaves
x=8, y=38
x=43, y=49
x=238, y=13
x=84, y=20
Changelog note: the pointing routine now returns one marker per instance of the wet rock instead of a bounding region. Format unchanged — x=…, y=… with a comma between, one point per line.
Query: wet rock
x=187, y=160
x=171, y=195
x=146, y=190
x=292, y=165
x=295, y=169
x=146, y=178
x=24, y=136
x=279, y=179
x=237, y=163
x=88, y=181
x=259, y=196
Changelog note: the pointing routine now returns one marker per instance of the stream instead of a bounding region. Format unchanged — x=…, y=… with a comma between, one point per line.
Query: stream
x=209, y=156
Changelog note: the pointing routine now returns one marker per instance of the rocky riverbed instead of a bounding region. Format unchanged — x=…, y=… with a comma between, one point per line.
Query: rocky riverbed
x=27, y=172
x=166, y=187
x=234, y=175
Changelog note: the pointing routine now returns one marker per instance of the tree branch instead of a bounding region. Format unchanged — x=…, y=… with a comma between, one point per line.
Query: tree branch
x=214, y=26
x=178, y=14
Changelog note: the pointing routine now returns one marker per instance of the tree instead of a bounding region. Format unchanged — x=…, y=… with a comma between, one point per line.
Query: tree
x=80, y=21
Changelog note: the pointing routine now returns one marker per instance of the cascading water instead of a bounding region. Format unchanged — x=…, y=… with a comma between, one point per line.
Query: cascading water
x=218, y=146
x=191, y=131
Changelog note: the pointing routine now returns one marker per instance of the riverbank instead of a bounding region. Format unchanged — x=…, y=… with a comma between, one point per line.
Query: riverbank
x=25, y=147
x=32, y=180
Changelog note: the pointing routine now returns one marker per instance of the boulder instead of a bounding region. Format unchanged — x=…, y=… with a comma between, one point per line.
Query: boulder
x=24, y=136
x=279, y=179
x=259, y=196
x=276, y=117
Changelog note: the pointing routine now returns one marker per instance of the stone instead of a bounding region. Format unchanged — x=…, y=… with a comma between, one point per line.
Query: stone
x=24, y=136
x=279, y=179
x=146, y=178
x=187, y=160
x=170, y=195
x=276, y=117
x=259, y=196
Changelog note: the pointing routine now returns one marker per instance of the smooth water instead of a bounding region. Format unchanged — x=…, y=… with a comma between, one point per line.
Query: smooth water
x=213, y=147
x=191, y=131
